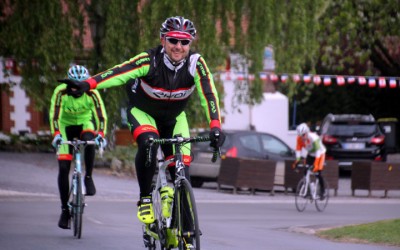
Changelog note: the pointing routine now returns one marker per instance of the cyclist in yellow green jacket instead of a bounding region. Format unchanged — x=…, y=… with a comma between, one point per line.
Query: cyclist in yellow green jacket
x=72, y=115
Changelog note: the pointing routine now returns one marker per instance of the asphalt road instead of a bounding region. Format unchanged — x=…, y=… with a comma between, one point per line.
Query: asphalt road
x=29, y=210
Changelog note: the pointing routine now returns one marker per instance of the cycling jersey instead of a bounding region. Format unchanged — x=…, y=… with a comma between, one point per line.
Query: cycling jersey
x=164, y=89
x=311, y=145
x=73, y=117
x=68, y=110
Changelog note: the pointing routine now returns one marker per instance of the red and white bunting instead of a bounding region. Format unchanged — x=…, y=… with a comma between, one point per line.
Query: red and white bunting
x=340, y=80
x=273, y=77
x=382, y=82
x=296, y=78
x=371, y=82
x=327, y=81
x=392, y=83
x=317, y=80
x=284, y=78
x=362, y=80
x=263, y=76
x=307, y=78
x=351, y=80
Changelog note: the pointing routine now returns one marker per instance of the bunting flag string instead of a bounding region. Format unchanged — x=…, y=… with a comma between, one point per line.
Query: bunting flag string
x=325, y=80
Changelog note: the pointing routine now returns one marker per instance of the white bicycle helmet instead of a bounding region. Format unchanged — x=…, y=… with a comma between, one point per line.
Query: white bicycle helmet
x=78, y=72
x=302, y=129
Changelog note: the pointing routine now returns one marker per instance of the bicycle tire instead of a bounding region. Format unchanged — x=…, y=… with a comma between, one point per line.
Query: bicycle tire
x=158, y=226
x=186, y=216
x=301, y=196
x=322, y=204
x=73, y=204
x=77, y=207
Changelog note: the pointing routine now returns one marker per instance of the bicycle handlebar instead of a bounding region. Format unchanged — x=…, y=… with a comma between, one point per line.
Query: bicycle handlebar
x=180, y=141
x=76, y=143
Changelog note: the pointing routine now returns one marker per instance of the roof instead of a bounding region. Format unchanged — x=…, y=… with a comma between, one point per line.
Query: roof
x=350, y=117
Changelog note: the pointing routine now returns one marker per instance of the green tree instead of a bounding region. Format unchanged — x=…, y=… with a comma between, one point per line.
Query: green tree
x=116, y=39
x=125, y=28
x=38, y=36
x=356, y=38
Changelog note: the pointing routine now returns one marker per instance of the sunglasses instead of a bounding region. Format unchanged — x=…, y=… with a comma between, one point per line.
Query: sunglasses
x=175, y=41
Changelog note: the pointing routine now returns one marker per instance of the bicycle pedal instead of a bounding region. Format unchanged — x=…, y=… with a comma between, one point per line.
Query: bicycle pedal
x=147, y=240
x=190, y=246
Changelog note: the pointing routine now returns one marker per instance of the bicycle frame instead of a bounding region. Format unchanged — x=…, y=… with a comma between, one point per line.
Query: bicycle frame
x=77, y=191
x=308, y=190
x=158, y=231
x=309, y=183
x=160, y=182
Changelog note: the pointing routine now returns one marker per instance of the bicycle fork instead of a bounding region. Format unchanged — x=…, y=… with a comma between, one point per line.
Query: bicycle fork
x=77, y=177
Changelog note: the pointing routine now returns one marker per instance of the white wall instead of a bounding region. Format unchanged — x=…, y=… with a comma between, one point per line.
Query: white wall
x=19, y=101
x=236, y=115
x=271, y=115
x=20, y=115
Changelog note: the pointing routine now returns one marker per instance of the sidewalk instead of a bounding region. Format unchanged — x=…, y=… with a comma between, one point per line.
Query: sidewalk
x=343, y=196
x=209, y=192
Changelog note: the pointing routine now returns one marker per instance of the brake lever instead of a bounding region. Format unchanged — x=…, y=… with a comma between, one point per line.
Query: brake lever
x=101, y=151
x=217, y=150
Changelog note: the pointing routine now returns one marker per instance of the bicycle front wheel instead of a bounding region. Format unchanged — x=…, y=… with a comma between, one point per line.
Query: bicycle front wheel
x=301, y=196
x=322, y=200
x=77, y=206
x=186, y=217
x=157, y=241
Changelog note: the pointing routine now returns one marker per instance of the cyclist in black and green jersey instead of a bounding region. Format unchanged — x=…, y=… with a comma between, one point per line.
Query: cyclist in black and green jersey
x=72, y=115
x=167, y=76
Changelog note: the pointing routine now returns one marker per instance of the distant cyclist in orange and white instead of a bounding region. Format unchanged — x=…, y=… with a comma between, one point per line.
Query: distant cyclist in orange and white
x=309, y=146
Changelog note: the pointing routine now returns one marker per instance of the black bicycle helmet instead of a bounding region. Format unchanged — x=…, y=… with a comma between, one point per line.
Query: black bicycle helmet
x=178, y=27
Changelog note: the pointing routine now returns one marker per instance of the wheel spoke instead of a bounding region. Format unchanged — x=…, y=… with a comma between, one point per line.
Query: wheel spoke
x=319, y=203
x=188, y=224
x=301, y=196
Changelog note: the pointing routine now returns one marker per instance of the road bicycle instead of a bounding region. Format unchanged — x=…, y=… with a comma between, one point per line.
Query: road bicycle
x=181, y=228
x=309, y=190
x=77, y=191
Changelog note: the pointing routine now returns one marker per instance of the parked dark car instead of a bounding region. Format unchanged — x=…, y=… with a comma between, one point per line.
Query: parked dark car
x=350, y=137
x=243, y=144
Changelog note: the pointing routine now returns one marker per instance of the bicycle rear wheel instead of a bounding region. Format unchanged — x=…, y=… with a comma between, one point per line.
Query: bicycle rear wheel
x=77, y=205
x=186, y=217
x=301, y=196
x=321, y=204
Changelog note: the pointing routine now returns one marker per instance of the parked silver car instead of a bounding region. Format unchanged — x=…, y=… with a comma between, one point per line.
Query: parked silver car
x=243, y=144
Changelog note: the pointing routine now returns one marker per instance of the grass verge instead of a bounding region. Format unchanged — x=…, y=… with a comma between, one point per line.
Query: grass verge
x=386, y=232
